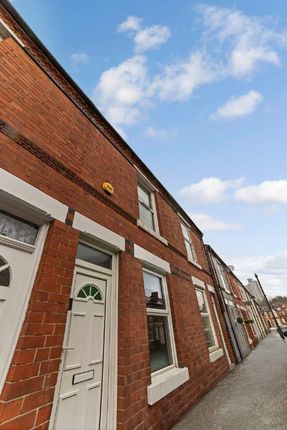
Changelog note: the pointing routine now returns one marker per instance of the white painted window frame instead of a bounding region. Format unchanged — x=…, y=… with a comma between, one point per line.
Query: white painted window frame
x=165, y=380
x=190, y=250
x=223, y=281
x=165, y=313
x=146, y=185
x=209, y=316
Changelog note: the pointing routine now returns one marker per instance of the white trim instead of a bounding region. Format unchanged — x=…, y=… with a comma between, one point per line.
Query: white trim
x=99, y=233
x=152, y=232
x=151, y=260
x=109, y=420
x=197, y=282
x=216, y=344
x=183, y=220
x=41, y=237
x=215, y=355
x=194, y=263
x=242, y=308
x=144, y=180
x=14, y=193
x=210, y=288
x=165, y=383
x=165, y=313
x=12, y=33
x=12, y=243
x=229, y=302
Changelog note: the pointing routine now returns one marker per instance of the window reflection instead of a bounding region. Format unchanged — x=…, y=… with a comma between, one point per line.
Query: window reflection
x=94, y=256
x=160, y=354
x=17, y=228
x=153, y=291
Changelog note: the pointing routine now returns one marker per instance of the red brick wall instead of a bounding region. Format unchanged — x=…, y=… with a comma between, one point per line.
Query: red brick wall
x=27, y=396
x=134, y=370
x=35, y=109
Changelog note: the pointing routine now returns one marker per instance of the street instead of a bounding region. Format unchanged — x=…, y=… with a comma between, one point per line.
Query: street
x=252, y=397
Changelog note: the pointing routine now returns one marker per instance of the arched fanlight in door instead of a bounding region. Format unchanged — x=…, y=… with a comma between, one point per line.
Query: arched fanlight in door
x=5, y=274
x=90, y=291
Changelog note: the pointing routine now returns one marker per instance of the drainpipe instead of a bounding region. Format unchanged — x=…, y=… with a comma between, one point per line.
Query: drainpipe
x=271, y=310
x=221, y=297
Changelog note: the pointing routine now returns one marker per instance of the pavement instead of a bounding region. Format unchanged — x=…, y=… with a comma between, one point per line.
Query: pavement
x=251, y=397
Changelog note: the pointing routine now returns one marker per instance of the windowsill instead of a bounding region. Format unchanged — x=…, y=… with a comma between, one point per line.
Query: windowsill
x=165, y=383
x=151, y=232
x=195, y=263
x=215, y=355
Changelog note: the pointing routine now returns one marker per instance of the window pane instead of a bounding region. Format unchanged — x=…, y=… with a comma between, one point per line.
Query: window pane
x=94, y=256
x=5, y=277
x=208, y=332
x=144, y=196
x=153, y=291
x=146, y=216
x=159, y=343
x=189, y=250
x=185, y=232
x=17, y=228
x=201, y=301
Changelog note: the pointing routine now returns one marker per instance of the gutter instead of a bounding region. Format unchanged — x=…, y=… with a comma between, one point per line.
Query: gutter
x=39, y=45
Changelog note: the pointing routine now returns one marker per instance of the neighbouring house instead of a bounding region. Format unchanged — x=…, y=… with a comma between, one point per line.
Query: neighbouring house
x=242, y=315
x=109, y=316
x=254, y=289
x=279, y=313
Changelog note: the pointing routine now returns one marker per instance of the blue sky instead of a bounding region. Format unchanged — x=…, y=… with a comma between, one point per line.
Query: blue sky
x=199, y=92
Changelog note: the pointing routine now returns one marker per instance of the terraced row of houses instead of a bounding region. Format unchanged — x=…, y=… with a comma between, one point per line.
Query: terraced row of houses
x=114, y=314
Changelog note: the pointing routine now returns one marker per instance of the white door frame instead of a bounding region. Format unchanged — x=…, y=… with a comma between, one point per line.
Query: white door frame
x=36, y=250
x=110, y=373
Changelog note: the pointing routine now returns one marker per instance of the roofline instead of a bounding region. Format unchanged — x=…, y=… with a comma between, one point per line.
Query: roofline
x=210, y=249
x=29, y=32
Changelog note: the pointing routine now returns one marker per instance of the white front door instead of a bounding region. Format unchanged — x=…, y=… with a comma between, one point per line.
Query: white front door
x=15, y=271
x=80, y=404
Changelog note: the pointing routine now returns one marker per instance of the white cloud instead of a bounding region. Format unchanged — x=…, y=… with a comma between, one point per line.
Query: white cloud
x=209, y=190
x=266, y=192
x=144, y=38
x=121, y=91
x=272, y=271
x=238, y=106
x=232, y=45
x=178, y=81
x=151, y=37
x=207, y=223
x=155, y=133
x=80, y=58
x=248, y=42
x=132, y=23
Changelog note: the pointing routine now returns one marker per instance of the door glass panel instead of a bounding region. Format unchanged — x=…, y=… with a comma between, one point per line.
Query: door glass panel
x=17, y=228
x=4, y=273
x=159, y=344
x=90, y=291
x=153, y=291
x=94, y=256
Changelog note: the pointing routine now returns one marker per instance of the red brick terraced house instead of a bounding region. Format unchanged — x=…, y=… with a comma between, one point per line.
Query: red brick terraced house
x=244, y=320
x=108, y=312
